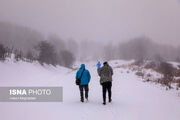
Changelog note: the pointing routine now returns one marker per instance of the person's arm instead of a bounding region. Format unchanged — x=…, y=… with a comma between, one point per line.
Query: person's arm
x=76, y=75
x=111, y=71
x=99, y=71
x=89, y=76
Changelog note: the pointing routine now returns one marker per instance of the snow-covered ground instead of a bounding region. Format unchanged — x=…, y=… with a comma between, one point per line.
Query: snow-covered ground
x=132, y=98
x=174, y=64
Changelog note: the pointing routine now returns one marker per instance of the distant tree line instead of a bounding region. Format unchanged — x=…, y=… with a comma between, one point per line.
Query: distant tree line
x=142, y=48
x=29, y=45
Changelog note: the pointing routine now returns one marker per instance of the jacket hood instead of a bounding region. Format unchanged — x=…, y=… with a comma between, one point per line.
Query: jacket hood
x=105, y=64
x=82, y=66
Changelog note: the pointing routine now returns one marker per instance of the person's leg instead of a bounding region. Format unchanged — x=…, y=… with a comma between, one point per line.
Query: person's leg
x=109, y=91
x=81, y=93
x=104, y=93
x=86, y=91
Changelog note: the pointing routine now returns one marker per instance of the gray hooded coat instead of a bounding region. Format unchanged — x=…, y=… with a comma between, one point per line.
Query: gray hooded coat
x=105, y=73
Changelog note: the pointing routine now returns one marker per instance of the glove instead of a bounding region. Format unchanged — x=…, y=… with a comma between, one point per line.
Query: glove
x=98, y=65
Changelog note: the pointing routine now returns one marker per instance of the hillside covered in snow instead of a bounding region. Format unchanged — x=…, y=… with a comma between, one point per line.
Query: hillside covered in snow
x=132, y=98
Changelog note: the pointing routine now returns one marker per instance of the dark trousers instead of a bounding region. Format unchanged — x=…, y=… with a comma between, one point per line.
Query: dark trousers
x=84, y=88
x=106, y=87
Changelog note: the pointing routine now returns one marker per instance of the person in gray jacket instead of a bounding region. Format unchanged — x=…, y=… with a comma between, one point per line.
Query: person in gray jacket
x=105, y=74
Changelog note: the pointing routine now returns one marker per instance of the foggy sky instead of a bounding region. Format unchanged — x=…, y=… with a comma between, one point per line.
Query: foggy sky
x=98, y=20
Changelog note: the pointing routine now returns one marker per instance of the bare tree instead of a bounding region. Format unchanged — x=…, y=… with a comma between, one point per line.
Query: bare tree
x=167, y=71
x=2, y=52
x=47, y=53
x=66, y=58
x=18, y=55
x=30, y=56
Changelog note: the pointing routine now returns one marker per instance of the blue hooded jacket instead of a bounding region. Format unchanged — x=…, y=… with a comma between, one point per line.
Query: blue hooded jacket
x=85, y=77
x=98, y=65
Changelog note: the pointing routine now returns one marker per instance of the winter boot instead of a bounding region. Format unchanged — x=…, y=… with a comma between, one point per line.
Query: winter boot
x=82, y=100
x=86, y=98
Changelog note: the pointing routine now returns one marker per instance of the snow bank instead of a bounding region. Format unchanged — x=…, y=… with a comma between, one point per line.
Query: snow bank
x=174, y=64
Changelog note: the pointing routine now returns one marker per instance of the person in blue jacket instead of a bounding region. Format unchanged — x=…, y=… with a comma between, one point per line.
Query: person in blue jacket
x=85, y=79
x=98, y=65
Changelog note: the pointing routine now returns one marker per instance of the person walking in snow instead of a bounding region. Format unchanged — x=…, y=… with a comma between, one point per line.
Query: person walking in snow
x=98, y=65
x=84, y=76
x=105, y=74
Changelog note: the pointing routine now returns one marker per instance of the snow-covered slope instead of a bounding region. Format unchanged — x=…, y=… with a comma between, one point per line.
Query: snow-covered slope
x=132, y=98
x=29, y=74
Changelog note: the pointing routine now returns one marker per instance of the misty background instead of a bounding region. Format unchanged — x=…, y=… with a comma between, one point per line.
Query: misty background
x=91, y=29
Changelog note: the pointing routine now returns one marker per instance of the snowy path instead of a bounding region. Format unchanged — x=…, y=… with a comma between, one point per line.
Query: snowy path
x=132, y=99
